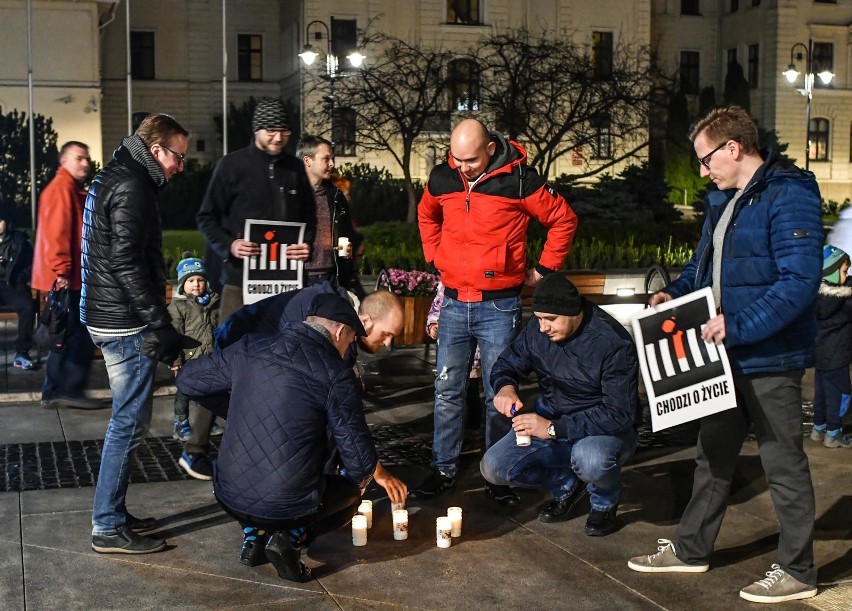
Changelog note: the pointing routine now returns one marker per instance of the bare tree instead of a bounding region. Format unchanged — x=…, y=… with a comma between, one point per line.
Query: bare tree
x=397, y=98
x=560, y=98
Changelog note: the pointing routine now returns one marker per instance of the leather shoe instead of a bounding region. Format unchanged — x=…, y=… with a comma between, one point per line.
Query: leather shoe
x=601, y=523
x=502, y=494
x=126, y=541
x=140, y=524
x=560, y=511
x=253, y=552
x=287, y=559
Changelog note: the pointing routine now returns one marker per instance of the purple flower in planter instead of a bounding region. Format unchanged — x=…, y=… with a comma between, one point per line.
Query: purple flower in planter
x=409, y=283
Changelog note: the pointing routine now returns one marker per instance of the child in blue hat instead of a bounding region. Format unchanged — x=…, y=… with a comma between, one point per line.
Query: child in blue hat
x=832, y=388
x=195, y=314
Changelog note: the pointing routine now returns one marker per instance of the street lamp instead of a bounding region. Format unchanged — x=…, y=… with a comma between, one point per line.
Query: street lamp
x=791, y=74
x=309, y=54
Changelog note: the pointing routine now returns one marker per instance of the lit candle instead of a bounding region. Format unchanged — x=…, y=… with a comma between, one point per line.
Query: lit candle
x=366, y=509
x=444, y=531
x=343, y=246
x=523, y=440
x=395, y=506
x=400, y=524
x=455, y=515
x=359, y=530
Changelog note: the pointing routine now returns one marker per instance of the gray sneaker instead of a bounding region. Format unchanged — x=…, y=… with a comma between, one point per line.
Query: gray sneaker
x=665, y=561
x=777, y=587
x=817, y=435
x=837, y=441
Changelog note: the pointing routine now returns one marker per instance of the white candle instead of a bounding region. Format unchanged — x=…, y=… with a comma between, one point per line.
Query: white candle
x=444, y=531
x=343, y=246
x=400, y=524
x=523, y=440
x=366, y=509
x=455, y=515
x=359, y=530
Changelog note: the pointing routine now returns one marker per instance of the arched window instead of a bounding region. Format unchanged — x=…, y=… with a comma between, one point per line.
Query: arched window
x=818, y=139
x=343, y=132
x=463, y=77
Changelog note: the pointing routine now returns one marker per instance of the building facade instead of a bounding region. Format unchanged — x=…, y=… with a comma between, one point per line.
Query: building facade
x=80, y=69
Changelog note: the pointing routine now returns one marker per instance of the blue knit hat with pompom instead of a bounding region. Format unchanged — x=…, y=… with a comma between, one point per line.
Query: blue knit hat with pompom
x=189, y=266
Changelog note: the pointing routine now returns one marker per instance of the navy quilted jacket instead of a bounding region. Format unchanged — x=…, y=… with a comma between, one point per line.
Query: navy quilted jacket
x=771, y=268
x=285, y=390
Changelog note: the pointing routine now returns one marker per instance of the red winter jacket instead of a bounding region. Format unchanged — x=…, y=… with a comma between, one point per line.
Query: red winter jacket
x=476, y=237
x=60, y=231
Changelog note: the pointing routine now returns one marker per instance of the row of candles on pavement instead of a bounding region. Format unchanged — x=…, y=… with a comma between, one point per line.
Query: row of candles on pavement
x=446, y=527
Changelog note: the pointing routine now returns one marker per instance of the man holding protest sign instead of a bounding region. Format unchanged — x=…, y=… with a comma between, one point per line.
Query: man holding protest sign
x=760, y=252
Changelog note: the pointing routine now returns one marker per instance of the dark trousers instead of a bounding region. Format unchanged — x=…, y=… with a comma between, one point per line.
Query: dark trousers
x=181, y=408
x=201, y=419
x=772, y=403
x=831, y=388
x=66, y=371
x=20, y=299
x=340, y=501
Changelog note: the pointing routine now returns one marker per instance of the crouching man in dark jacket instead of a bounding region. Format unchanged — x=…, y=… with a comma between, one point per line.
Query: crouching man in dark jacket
x=286, y=390
x=583, y=426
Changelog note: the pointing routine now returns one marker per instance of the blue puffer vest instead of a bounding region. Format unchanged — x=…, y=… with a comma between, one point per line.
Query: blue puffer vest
x=771, y=268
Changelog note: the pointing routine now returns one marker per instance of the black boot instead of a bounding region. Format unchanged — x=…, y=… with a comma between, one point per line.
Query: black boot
x=286, y=558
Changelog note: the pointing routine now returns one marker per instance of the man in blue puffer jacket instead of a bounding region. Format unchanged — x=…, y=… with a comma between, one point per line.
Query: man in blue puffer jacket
x=760, y=251
x=286, y=391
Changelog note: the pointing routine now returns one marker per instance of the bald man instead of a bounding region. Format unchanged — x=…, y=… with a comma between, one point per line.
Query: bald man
x=473, y=223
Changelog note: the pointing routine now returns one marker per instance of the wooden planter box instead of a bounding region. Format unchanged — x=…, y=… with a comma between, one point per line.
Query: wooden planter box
x=415, y=310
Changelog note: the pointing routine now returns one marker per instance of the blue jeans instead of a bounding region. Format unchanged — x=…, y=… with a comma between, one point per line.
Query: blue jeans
x=66, y=371
x=558, y=465
x=131, y=380
x=492, y=325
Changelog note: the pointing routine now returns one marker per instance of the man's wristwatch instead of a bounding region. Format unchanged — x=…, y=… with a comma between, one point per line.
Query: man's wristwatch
x=551, y=431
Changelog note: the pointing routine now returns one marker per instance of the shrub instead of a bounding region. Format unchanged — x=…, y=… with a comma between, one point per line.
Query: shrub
x=375, y=195
x=182, y=198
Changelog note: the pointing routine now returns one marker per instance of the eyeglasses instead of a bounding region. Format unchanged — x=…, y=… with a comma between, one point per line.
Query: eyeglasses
x=182, y=158
x=705, y=161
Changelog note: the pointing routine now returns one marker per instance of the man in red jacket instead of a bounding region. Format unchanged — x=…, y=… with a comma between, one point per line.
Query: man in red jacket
x=473, y=223
x=57, y=259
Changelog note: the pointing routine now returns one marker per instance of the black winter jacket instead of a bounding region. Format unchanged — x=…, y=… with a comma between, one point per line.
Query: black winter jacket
x=286, y=390
x=249, y=184
x=834, y=326
x=18, y=268
x=124, y=274
x=589, y=382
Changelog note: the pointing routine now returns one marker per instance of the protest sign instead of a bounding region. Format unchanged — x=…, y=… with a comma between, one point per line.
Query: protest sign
x=685, y=377
x=271, y=272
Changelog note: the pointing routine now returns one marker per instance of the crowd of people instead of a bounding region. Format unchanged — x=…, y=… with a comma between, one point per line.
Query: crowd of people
x=297, y=455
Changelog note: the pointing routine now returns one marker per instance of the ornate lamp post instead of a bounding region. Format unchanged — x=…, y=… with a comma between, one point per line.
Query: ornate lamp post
x=791, y=74
x=320, y=31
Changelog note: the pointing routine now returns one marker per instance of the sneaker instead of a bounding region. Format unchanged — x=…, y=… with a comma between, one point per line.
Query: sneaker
x=502, y=494
x=778, y=586
x=286, y=559
x=665, y=561
x=182, y=430
x=23, y=361
x=126, y=541
x=216, y=429
x=818, y=434
x=560, y=511
x=140, y=525
x=197, y=465
x=436, y=483
x=837, y=441
x=81, y=402
x=601, y=523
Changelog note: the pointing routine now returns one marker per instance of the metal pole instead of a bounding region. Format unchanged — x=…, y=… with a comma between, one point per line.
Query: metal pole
x=224, y=77
x=809, y=85
x=33, y=200
x=128, y=76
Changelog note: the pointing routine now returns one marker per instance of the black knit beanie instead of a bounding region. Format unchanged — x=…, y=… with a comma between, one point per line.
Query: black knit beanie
x=269, y=114
x=555, y=294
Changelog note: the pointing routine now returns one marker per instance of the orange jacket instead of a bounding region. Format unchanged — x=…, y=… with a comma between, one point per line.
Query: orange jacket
x=59, y=233
x=476, y=234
